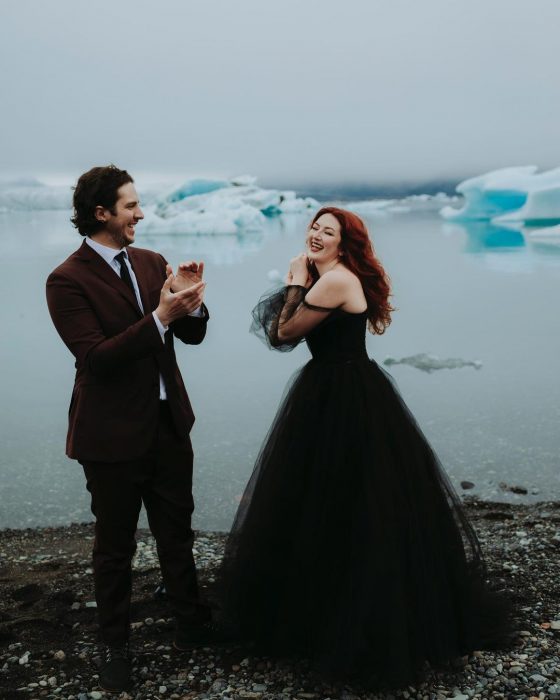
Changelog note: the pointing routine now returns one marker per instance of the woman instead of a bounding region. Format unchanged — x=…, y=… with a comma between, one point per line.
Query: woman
x=350, y=547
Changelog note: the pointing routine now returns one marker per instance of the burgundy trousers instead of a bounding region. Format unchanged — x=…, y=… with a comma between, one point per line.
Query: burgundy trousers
x=162, y=480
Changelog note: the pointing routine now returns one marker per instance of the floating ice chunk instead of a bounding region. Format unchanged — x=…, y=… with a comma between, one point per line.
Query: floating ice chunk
x=541, y=206
x=194, y=187
x=292, y=204
x=371, y=207
x=216, y=206
x=492, y=194
x=220, y=220
x=199, y=205
x=30, y=194
x=510, y=195
x=243, y=180
x=414, y=202
x=429, y=363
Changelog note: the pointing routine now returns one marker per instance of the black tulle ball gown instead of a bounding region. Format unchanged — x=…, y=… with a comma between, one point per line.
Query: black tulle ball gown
x=350, y=547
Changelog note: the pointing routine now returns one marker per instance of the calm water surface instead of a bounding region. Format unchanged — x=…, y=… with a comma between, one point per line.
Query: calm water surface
x=478, y=294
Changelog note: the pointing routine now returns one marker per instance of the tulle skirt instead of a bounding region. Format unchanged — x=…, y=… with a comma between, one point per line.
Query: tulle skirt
x=350, y=547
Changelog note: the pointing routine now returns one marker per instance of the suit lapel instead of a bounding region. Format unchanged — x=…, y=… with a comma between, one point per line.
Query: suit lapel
x=100, y=268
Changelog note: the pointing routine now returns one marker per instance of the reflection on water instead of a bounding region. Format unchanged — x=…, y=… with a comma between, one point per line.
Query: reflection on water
x=224, y=249
x=482, y=236
x=498, y=424
x=546, y=248
x=509, y=248
x=217, y=249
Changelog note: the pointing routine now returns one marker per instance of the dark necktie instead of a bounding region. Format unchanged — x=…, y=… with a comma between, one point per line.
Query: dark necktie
x=125, y=274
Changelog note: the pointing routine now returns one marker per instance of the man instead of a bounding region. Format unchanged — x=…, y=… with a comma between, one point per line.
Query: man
x=118, y=309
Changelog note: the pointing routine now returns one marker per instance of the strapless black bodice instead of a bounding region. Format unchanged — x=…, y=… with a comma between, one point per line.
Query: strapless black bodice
x=342, y=336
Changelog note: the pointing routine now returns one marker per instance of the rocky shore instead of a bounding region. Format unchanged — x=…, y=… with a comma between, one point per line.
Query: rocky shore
x=48, y=630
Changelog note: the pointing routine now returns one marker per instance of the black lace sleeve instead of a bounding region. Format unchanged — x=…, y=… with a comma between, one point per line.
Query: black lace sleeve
x=286, y=307
x=266, y=315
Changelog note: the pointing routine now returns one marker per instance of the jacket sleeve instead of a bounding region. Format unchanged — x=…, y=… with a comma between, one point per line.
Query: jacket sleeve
x=80, y=329
x=191, y=329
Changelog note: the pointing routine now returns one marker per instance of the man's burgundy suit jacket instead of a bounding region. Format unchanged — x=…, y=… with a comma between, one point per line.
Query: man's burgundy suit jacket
x=119, y=355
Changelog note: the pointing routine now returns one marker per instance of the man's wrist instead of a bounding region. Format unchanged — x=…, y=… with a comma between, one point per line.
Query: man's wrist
x=197, y=313
x=161, y=321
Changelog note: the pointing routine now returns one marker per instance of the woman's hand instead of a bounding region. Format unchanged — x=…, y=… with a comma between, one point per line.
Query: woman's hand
x=299, y=271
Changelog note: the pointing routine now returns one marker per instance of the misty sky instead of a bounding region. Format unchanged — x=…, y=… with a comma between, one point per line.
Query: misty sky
x=288, y=90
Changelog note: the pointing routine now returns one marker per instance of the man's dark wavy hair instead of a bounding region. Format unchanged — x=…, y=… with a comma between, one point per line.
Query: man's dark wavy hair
x=97, y=187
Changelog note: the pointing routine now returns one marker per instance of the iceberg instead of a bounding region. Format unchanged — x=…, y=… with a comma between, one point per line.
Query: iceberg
x=541, y=207
x=197, y=206
x=517, y=195
x=221, y=207
x=371, y=207
x=381, y=208
x=30, y=194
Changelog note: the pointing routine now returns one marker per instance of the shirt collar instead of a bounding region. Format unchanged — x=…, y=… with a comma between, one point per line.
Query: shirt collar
x=108, y=254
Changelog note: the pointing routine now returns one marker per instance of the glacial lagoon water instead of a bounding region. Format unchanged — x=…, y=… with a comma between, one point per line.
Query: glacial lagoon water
x=480, y=293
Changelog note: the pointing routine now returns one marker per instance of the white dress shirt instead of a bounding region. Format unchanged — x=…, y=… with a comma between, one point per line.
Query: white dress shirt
x=109, y=255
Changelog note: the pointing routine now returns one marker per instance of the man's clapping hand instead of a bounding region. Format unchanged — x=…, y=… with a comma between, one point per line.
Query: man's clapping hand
x=176, y=305
x=188, y=274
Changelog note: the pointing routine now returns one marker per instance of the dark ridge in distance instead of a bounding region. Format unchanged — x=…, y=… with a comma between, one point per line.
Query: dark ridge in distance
x=343, y=192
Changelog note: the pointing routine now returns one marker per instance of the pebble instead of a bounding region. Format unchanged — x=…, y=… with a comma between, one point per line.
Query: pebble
x=530, y=669
x=218, y=685
x=59, y=655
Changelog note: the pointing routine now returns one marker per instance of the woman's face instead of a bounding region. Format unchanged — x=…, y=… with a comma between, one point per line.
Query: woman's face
x=323, y=240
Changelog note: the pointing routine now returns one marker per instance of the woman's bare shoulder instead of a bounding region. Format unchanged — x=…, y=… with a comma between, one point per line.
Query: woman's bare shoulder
x=339, y=276
x=337, y=287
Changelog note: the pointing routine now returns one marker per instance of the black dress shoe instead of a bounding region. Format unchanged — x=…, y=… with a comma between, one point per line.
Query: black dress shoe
x=160, y=591
x=206, y=634
x=114, y=675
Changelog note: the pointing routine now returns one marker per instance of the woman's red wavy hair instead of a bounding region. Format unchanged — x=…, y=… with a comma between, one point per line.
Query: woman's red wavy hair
x=359, y=257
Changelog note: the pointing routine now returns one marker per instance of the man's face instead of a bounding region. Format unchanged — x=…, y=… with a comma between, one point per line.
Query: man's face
x=120, y=225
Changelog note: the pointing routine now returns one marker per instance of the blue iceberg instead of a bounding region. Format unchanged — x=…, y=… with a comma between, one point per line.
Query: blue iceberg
x=221, y=207
x=514, y=196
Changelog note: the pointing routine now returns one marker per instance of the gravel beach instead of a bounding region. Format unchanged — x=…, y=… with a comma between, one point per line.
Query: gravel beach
x=48, y=629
